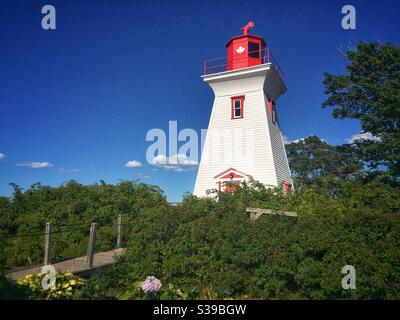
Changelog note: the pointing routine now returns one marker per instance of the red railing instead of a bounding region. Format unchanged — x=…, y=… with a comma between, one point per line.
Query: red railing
x=221, y=64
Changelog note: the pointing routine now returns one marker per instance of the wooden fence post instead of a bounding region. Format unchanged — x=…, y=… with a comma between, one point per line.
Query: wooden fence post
x=119, y=230
x=92, y=240
x=47, y=244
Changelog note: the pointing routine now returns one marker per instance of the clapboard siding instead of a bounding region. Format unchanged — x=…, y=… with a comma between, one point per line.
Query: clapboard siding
x=280, y=158
x=248, y=144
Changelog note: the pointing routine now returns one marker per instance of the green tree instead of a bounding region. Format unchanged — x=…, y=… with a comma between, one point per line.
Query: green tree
x=71, y=208
x=370, y=92
x=312, y=157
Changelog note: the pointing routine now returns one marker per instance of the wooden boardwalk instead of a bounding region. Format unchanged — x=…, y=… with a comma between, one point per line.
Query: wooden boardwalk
x=76, y=265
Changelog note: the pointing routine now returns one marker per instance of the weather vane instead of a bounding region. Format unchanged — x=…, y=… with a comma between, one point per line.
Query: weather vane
x=246, y=28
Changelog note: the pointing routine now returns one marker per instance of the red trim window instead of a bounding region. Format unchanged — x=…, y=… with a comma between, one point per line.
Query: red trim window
x=272, y=111
x=287, y=187
x=231, y=186
x=237, y=107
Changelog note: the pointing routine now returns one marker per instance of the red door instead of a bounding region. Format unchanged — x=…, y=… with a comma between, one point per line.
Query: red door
x=232, y=185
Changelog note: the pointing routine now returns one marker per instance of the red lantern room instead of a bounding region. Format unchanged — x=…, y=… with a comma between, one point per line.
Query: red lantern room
x=245, y=50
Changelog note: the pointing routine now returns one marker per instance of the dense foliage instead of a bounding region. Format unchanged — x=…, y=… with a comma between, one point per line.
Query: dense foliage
x=70, y=208
x=205, y=248
x=370, y=92
x=65, y=286
x=312, y=157
x=210, y=249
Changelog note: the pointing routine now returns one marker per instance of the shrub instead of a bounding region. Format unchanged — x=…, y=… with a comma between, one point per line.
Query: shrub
x=66, y=286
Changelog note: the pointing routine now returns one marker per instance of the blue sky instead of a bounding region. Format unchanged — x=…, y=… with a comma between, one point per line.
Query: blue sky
x=82, y=97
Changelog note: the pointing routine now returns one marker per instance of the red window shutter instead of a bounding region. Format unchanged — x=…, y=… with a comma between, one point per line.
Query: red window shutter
x=270, y=106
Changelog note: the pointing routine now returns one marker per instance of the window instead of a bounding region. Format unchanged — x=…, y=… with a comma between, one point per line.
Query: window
x=287, y=187
x=237, y=107
x=272, y=111
x=254, y=50
x=230, y=186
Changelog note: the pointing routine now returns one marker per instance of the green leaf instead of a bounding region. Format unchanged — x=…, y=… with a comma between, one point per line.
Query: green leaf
x=125, y=296
x=137, y=284
x=164, y=296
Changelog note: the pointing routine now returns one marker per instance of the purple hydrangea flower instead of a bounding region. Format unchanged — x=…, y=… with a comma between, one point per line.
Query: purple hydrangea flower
x=151, y=284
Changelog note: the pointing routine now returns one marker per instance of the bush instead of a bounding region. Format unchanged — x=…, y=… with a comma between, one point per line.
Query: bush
x=66, y=286
x=212, y=248
x=209, y=249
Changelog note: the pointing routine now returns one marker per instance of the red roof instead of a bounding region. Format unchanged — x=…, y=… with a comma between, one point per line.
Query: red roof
x=245, y=36
x=226, y=174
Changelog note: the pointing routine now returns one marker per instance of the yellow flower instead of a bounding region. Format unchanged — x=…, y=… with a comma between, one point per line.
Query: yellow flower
x=72, y=282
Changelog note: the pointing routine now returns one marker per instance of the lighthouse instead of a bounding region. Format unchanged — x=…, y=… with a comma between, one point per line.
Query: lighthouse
x=243, y=142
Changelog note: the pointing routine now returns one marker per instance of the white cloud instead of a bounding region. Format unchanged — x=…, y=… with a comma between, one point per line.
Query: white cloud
x=133, y=164
x=177, y=159
x=366, y=136
x=177, y=162
x=287, y=141
x=67, y=170
x=2, y=156
x=35, y=165
x=297, y=140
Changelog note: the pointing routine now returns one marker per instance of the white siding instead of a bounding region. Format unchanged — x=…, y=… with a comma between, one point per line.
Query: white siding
x=278, y=146
x=251, y=144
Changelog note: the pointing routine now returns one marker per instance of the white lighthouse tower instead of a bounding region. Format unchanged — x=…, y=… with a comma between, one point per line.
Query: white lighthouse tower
x=243, y=141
